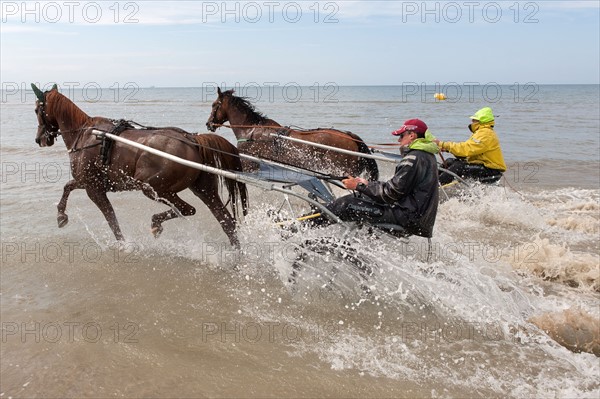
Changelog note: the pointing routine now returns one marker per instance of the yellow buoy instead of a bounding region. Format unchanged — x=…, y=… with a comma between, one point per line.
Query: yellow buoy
x=439, y=96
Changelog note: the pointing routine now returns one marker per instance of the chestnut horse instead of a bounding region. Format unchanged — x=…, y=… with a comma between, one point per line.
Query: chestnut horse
x=254, y=134
x=100, y=166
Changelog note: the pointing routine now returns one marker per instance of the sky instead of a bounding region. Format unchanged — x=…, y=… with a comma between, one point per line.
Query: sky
x=196, y=43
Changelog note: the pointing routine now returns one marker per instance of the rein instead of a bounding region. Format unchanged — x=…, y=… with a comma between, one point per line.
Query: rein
x=313, y=131
x=247, y=126
x=74, y=148
x=250, y=108
x=295, y=129
x=118, y=127
x=251, y=139
x=442, y=158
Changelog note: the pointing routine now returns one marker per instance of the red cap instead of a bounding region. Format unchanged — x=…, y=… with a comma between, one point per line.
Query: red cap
x=412, y=125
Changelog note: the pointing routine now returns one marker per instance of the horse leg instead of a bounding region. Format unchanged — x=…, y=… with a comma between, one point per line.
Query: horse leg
x=178, y=207
x=62, y=217
x=213, y=201
x=101, y=200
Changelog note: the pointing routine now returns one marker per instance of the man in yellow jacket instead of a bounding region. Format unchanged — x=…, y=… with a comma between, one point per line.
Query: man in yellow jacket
x=480, y=157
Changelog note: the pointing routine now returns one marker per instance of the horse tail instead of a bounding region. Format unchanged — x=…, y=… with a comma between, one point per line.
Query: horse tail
x=366, y=164
x=220, y=153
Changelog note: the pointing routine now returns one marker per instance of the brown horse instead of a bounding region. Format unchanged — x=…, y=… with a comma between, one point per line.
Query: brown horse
x=254, y=134
x=100, y=166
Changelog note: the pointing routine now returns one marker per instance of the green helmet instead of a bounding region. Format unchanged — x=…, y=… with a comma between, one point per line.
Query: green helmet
x=484, y=115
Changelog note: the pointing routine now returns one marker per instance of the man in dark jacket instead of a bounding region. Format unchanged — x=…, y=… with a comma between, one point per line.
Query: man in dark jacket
x=409, y=199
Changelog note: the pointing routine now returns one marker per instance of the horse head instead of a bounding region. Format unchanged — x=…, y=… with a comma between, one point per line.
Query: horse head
x=47, y=126
x=219, y=112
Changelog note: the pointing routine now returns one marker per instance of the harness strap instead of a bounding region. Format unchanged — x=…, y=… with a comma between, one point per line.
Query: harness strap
x=83, y=148
x=106, y=150
x=74, y=148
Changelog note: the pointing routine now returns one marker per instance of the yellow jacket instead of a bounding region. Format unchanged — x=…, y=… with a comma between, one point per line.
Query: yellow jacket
x=483, y=147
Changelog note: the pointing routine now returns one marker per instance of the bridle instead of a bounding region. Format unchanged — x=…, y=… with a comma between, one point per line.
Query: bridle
x=41, y=112
x=213, y=114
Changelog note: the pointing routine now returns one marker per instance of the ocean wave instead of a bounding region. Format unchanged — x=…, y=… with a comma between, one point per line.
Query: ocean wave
x=556, y=262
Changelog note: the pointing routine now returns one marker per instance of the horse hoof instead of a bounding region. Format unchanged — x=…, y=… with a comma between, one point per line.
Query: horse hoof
x=62, y=220
x=156, y=231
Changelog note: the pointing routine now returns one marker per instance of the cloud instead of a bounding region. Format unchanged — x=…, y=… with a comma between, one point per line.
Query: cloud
x=19, y=29
x=142, y=12
x=176, y=68
x=421, y=11
x=176, y=13
x=576, y=5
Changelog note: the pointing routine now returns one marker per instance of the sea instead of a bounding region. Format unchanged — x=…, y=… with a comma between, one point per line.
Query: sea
x=188, y=316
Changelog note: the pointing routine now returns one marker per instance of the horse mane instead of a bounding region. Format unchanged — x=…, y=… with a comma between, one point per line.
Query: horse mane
x=246, y=106
x=64, y=109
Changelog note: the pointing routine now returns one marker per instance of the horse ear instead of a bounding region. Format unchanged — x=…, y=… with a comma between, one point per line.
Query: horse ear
x=219, y=91
x=54, y=87
x=38, y=92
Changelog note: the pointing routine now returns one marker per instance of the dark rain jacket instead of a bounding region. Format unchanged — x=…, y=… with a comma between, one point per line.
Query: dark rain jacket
x=412, y=193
